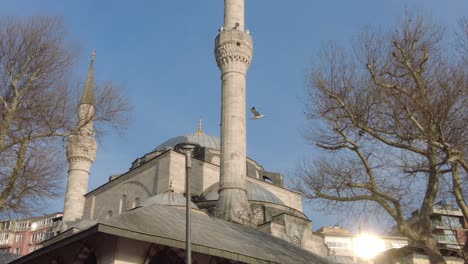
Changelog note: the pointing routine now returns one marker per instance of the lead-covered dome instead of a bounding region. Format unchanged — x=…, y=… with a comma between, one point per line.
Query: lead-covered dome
x=255, y=192
x=201, y=139
x=168, y=198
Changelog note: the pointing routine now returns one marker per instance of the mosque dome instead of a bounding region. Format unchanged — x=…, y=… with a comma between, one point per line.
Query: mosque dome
x=255, y=192
x=168, y=198
x=198, y=137
x=203, y=140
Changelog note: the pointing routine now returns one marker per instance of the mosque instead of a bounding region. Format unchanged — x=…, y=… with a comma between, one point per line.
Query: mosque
x=240, y=212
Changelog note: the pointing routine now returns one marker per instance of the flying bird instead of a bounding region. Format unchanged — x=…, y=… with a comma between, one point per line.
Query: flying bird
x=255, y=113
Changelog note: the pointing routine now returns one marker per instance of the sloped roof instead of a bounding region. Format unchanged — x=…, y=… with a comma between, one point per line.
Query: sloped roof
x=211, y=235
x=165, y=225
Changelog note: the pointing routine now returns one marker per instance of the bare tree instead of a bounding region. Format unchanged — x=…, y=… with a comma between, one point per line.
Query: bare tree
x=38, y=110
x=462, y=37
x=390, y=116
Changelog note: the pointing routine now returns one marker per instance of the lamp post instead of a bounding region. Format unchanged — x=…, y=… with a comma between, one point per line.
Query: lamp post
x=188, y=149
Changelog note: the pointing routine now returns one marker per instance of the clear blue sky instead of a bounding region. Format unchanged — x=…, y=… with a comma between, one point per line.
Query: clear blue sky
x=162, y=53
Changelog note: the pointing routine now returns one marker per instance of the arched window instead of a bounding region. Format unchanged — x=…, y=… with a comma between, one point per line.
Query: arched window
x=123, y=204
x=267, y=179
x=136, y=202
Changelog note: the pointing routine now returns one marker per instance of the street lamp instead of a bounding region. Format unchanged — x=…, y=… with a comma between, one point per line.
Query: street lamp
x=188, y=149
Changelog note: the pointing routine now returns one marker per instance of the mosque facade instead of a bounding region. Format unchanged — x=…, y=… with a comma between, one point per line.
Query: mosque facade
x=240, y=212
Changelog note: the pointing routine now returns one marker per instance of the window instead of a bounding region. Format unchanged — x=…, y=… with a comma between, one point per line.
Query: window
x=216, y=160
x=109, y=214
x=22, y=225
x=296, y=241
x=267, y=179
x=4, y=238
x=19, y=237
x=5, y=225
x=136, y=202
x=451, y=222
x=41, y=236
x=447, y=236
x=123, y=204
x=338, y=243
x=17, y=251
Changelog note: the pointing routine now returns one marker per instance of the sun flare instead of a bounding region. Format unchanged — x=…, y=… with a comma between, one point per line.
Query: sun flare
x=368, y=246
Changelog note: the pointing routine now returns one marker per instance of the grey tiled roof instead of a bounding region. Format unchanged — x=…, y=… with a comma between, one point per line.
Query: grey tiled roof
x=210, y=235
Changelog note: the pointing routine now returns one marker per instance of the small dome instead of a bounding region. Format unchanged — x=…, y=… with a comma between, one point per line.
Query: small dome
x=203, y=140
x=167, y=198
x=255, y=192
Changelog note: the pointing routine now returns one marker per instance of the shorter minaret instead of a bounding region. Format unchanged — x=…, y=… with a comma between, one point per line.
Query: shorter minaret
x=81, y=152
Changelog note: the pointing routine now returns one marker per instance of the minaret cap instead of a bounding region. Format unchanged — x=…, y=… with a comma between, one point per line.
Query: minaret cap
x=88, y=92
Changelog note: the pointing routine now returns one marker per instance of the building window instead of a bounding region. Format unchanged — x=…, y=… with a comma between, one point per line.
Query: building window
x=5, y=225
x=216, y=160
x=123, y=204
x=296, y=241
x=4, y=238
x=109, y=214
x=267, y=179
x=19, y=237
x=258, y=215
x=136, y=202
x=23, y=225
x=451, y=222
x=17, y=251
x=41, y=236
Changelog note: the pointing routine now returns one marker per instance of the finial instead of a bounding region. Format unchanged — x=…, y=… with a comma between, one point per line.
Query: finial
x=200, y=130
x=93, y=55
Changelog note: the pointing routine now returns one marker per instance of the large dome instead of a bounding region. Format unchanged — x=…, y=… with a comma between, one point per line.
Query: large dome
x=255, y=192
x=202, y=139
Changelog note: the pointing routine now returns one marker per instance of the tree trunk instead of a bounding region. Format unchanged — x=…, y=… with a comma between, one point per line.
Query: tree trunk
x=433, y=252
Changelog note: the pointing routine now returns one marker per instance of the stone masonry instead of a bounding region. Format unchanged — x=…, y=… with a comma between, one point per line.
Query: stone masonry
x=233, y=53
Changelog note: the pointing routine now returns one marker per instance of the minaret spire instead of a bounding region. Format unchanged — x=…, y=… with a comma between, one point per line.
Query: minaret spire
x=88, y=92
x=81, y=152
x=233, y=53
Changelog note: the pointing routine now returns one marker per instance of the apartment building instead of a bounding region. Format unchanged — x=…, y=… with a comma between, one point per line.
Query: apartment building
x=23, y=236
x=346, y=247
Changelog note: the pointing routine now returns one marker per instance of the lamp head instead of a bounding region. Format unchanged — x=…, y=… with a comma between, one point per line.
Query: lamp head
x=187, y=148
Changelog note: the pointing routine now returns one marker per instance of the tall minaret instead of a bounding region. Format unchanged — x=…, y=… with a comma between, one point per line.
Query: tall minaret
x=81, y=152
x=233, y=53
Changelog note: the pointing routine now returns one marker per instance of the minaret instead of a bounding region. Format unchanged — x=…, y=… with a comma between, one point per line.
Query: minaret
x=233, y=53
x=81, y=152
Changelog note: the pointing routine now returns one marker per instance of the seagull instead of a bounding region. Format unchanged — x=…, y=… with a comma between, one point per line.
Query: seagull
x=255, y=113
